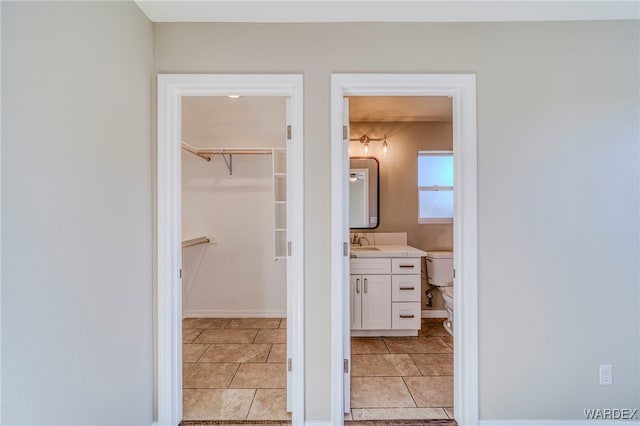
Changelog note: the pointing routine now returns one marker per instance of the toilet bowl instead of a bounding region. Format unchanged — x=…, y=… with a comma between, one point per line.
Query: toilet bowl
x=440, y=274
x=447, y=295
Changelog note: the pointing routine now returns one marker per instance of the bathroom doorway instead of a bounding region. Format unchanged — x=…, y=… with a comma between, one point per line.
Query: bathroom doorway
x=286, y=236
x=461, y=89
x=402, y=363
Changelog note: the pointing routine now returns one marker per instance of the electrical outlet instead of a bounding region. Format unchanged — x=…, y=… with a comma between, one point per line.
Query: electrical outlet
x=606, y=375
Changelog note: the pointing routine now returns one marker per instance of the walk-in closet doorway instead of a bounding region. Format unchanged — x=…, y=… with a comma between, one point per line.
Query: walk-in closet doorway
x=285, y=164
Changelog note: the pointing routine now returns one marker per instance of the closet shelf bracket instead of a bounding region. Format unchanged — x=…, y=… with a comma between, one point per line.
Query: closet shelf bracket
x=229, y=162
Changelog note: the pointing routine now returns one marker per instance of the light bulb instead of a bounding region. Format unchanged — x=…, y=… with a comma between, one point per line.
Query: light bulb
x=385, y=147
x=366, y=148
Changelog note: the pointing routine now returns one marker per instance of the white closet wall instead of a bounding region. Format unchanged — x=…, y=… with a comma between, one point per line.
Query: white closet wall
x=236, y=276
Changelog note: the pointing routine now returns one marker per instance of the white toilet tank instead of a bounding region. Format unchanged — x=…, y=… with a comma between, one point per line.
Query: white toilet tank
x=440, y=268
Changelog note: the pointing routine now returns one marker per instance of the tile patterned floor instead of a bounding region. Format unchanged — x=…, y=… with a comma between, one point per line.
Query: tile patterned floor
x=234, y=369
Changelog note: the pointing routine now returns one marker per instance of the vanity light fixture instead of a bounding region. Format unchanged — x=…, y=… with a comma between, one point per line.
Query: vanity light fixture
x=364, y=140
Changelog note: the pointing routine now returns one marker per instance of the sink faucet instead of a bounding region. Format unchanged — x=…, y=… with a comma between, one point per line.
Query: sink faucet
x=363, y=238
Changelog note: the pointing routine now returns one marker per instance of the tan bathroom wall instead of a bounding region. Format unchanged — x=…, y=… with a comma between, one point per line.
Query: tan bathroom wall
x=399, y=181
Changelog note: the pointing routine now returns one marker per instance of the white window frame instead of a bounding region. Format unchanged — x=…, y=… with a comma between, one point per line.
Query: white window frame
x=423, y=220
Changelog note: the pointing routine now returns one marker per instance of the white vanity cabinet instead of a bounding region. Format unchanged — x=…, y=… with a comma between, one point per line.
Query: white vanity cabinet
x=405, y=293
x=370, y=302
x=370, y=294
x=385, y=296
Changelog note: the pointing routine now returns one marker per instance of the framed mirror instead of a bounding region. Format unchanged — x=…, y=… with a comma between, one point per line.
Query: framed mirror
x=364, y=193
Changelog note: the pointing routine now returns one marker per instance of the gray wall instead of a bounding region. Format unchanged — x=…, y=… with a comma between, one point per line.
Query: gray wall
x=76, y=217
x=558, y=189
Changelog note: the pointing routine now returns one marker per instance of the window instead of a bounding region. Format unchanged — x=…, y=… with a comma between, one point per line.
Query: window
x=435, y=186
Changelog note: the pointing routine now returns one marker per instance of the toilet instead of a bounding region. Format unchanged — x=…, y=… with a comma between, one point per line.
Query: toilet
x=440, y=274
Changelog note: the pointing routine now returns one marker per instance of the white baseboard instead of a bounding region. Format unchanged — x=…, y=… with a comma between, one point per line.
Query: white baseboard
x=316, y=423
x=214, y=313
x=432, y=313
x=559, y=423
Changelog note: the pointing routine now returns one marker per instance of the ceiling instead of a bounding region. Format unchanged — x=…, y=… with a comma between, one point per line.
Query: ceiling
x=385, y=10
x=399, y=108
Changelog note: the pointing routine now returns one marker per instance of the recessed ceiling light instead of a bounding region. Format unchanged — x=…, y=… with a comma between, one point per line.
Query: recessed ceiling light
x=233, y=96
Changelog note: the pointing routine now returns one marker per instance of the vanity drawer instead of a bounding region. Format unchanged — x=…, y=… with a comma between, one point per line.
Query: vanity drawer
x=405, y=315
x=371, y=266
x=408, y=265
x=405, y=288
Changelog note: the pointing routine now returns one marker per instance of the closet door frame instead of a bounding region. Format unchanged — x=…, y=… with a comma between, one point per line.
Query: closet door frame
x=168, y=257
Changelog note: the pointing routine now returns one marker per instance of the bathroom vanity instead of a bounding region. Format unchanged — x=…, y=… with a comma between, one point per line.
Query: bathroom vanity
x=385, y=290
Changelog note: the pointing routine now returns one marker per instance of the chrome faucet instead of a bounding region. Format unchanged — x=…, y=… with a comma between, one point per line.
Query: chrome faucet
x=363, y=238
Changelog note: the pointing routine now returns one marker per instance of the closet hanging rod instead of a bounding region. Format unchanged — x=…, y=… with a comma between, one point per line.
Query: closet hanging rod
x=195, y=242
x=235, y=151
x=194, y=151
x=204, y=153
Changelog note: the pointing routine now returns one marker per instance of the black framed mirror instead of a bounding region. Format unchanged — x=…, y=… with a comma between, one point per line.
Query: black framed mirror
x=364, y=193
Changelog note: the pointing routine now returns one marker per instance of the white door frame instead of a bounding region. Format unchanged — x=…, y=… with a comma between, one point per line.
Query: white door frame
x=462, y=89
x=171, y=88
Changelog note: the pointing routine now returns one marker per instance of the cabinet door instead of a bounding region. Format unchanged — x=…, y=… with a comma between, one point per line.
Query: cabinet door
x=376, y=302
x=356, y=302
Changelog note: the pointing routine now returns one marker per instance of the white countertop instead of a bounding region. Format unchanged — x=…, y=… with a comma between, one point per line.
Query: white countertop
x=386, y=251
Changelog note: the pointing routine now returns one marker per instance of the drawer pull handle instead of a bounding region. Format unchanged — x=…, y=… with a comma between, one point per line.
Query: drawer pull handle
x=357, y=285
x=407, y=266
x=407, y=316
x=407, y=288
x=365, y=285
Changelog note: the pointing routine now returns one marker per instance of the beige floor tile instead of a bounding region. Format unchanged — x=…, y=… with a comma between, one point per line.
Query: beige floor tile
x=434, y=364
x=433, y=329
x=269, y=404
x=431, y=391
x=383, y=365
x=283, y=323
x=449, y=411
x=415, y=345
x=236, y=352
x=216, y=404
x=191, y=352
x=190, y=334
x=278, y=353
x=204, y=323
x=200, y=375
x=254, y=323
x=278, y=335
x=366, y=392
x=398, y=413
x=226, y=336
x=261, y=376
x=368, y=345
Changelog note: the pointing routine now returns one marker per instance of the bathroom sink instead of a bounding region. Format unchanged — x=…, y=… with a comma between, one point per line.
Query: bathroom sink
x=364, y=248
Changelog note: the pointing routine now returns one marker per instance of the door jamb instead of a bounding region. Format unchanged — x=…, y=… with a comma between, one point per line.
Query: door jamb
x=168, y=309
x=462, y=89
